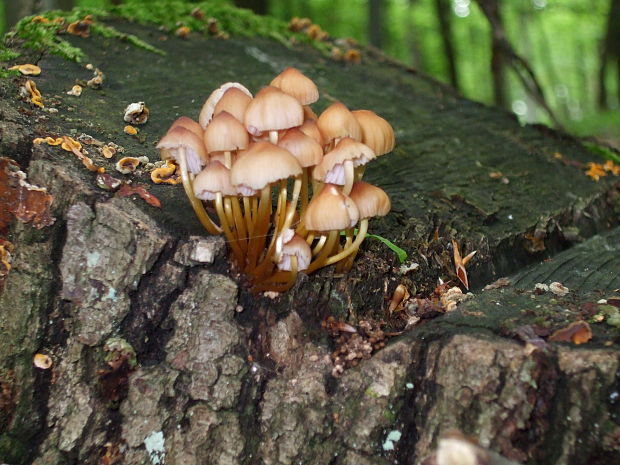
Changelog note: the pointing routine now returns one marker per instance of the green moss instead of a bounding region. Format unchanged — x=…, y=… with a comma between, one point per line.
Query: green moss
x=47, y=36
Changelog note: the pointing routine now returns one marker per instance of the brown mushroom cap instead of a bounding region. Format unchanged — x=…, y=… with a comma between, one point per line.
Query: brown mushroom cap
x=195, y=152
x=189, y=124
x=307, y=151
x=337, y=122
x=272, y=110
x=370, y=200
x=206, y=112
x=225, y=133
x=214, y=178
x=377, y=133
x=296, y=246
x=310, y=128
x=262, y=164
x=330, y=210
x=234, y=101
x=292, y=82
x=331, y=167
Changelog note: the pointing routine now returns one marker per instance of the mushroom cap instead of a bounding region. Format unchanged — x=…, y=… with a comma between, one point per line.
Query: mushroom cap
x=370, y=200
x=214, y=178
x=295, y=246
x=234, y=101
x=272, y=110
x=292, y=82
x=225, y=133
x=330, y=210
x=195, y=152
x=310, y=128
x=262, y=164
x=206, y=112
x=337, y=121
x=187, y=123
x=309, y=113
x=331, y=168
x=377, y=133
x=307, y=151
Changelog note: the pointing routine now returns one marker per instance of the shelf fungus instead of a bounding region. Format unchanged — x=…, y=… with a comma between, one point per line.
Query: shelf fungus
x=283, y=184
x=27, y=69
x=127, y=165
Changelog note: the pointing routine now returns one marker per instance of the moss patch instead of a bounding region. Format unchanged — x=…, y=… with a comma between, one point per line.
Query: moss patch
x=219, y=17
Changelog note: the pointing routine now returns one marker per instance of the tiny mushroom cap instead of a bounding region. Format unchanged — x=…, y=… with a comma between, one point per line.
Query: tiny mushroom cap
x=291, y=81
x=337, y=122
x=331, y=168
x=310, y=128
x=377, y=133
x=370, y=200
x=272, y=110
x=234, y=101
x=262, y=164
x=189, y=124
x=296, y=246
x=225, y=133
x=214, y=178
x=307, y=151
x=331, y=210
x=206, y=113
x=195, y=152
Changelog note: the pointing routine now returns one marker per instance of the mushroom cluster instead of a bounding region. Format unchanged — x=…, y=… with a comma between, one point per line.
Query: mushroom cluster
x=245, y=151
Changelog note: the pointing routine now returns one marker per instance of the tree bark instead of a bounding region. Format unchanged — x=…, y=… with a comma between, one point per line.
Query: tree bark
x=610, y=54
x=160, y=354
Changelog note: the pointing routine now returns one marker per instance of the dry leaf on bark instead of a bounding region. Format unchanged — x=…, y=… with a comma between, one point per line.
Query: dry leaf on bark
x=577, y=332
x=18, y=198
x=126, y=190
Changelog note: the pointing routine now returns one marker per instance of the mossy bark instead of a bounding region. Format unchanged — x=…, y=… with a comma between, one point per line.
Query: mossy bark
x=225, y=377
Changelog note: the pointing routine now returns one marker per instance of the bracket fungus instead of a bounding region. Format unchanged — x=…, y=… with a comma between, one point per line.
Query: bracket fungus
x=284, y=183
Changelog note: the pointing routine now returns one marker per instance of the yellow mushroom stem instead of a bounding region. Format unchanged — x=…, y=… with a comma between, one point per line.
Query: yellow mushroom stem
x=319, y=245
x=199, y=209
x=240, y=224
x=227, y=159
x=349, y=177
x=261, y=226
x=273, y=137
x=361, y=235
x=304, y=192
x=281, y=281
x=321, y=258
x=232, y=240
x=247, y=213
x=349, y=239
x=229, y=215
x=266, y=265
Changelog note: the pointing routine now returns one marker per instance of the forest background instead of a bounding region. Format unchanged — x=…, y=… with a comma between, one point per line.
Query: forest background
x=550, y=61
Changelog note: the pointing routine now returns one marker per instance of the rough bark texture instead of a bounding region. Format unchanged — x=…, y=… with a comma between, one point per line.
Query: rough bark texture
x=224, y=377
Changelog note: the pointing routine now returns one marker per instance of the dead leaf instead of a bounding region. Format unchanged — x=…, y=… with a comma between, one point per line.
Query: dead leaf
x=18, y=198
x=126, y=190
x=501, y=282
x=460, y=263
x=577, y=332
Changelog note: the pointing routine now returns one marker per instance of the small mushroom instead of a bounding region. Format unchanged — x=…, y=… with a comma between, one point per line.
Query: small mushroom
x=27, y=69
x=129, y=129
x=108, y=151
x=166, y=174
x=136, y=113
x=127, y=165
x=76, y=91
x=42, y=361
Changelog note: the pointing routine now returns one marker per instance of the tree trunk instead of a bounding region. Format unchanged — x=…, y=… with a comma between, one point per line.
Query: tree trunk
x=443, y=9
x=160, y=354
x=610, y=53
x=375, y=23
